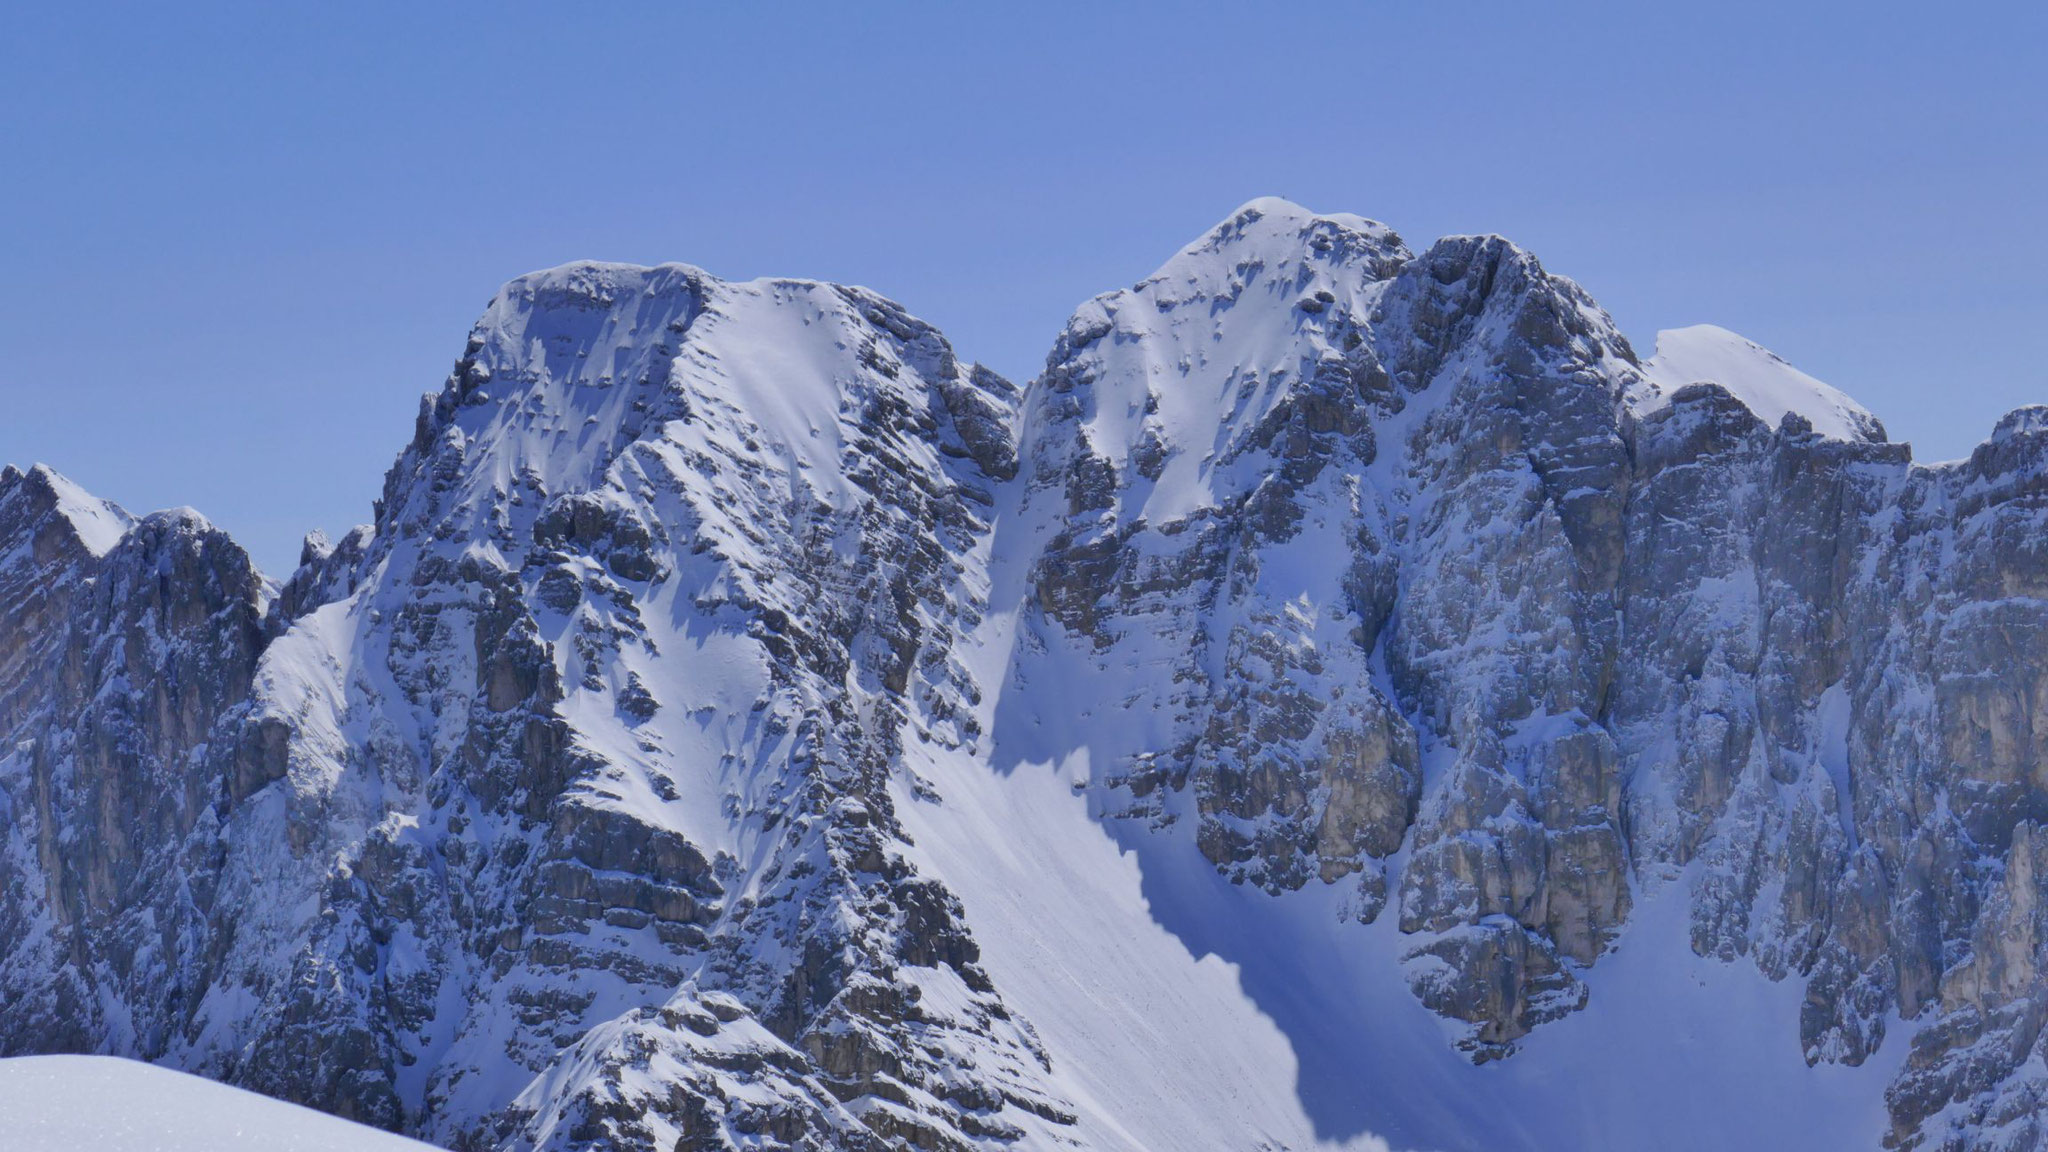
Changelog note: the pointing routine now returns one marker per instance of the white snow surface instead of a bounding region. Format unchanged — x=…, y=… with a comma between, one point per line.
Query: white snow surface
x=1758, y=377
x=1183, y=1012
x=106, y=1104
x=1196, y=354
x=100, y=523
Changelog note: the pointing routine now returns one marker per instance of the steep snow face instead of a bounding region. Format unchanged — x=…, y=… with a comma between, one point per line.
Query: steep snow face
x=100, y=524
x=68, y=1103
x=1765, y=384
x=1201, y=351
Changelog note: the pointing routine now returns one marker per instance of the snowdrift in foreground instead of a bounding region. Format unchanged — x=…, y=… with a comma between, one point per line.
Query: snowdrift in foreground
x=106, y=1104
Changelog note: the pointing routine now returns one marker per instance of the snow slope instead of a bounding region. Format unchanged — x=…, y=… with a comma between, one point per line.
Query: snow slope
x=1759, y=378
x=1188, y=1013
x=105, y=1104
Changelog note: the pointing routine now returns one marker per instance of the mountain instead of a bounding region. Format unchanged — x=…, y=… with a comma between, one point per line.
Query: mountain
x=1348, y=696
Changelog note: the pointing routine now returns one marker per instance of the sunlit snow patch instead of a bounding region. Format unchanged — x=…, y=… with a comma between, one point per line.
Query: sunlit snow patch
x=1758, y=377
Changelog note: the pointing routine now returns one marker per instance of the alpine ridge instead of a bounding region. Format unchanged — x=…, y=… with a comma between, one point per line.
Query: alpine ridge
x=1349, y=698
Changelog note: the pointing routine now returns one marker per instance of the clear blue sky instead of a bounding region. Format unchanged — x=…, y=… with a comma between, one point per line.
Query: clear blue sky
x=238, y=241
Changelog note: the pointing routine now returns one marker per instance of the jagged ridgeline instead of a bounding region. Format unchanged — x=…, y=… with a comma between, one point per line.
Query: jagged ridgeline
x=1351, y=693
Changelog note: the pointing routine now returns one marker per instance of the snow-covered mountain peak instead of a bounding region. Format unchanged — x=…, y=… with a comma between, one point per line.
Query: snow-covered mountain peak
x=670, y=570
x=575, y=372
x=98, y=524
x=1166, y=379
x=1760, y=378
x=2027, y=421
x=1278, y=235
x=1280, y=316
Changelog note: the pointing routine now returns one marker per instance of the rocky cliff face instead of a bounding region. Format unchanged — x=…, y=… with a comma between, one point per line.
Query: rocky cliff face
x=564, y=805
x=126, y=646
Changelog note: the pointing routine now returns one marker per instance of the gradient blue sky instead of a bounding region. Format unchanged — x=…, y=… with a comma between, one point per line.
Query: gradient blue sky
x=238, y=241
